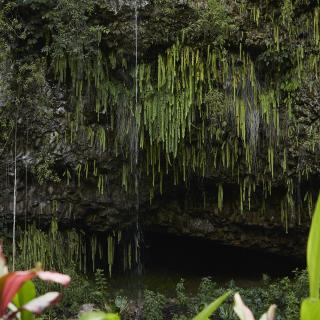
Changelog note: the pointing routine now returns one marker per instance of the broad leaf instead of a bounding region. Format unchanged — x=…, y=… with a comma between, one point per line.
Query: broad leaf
x=313, y=253
x=37, y=305
x=211, y=308
x=26, y=293
x=3, y=280
x=12, y=282
x=310, y=309
x=99, y=315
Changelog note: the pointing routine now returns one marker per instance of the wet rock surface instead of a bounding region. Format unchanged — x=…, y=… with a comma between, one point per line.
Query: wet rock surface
x=178, y=210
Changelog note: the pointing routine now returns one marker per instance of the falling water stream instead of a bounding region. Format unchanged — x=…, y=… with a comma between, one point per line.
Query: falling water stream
x=14, y=199
x=136, y=139
x=136, y=174
x=164, y=264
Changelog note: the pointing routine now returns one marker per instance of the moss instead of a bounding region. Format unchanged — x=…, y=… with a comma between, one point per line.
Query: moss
x=211, y=99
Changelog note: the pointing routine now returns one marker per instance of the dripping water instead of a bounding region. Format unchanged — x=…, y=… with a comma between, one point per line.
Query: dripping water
x=136, y=145
x=136, y=160
x=26, y=195
x=14, y=199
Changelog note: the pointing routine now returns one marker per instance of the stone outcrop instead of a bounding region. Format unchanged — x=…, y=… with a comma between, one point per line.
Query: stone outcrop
x=190, y=209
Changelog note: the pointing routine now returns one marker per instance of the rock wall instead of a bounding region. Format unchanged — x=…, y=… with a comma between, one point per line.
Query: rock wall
x=92, y=169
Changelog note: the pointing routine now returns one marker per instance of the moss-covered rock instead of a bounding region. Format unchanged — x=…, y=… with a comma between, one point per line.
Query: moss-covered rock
x=207, y=122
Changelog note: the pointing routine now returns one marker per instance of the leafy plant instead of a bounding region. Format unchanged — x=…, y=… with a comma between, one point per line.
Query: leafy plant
x=99, y=315
x=181, y=292
x=206, y=291
x=99, y=295
x=18, y=294
x=121, y=303
x=79, y=292
x=153, y=305
x=226, y=312
x=244, y=313
x=310, y=308
x=211, y=308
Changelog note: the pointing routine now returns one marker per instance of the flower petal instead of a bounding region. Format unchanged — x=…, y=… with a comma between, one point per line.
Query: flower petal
x=271, y=314
x=3, y=262
x=38, y=304
x=54, y=277
x=242, y=311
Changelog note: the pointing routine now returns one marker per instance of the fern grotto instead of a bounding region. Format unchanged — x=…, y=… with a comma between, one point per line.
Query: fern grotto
x=143, y=138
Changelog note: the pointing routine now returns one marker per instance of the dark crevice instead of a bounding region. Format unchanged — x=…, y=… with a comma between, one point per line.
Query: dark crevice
x=196, y=256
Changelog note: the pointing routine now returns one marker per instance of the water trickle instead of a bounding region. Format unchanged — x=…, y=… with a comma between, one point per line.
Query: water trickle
x=136, y=50
x=136, y=139
x=14, y=199
x=138, y=234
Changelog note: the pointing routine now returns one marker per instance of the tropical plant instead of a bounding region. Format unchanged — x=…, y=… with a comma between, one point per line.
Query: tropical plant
x=100, y=292
x=244, y=313
x=99, y=315
x=18, y=294
x=211, y=308
x=121, y=303
x=181, y=292
x=153, y=305
x=310, y=307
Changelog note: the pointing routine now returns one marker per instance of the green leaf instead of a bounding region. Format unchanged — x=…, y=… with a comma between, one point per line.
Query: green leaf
x=313, y=253
x=310, y=309
x=99, y=315
x=211, y=308
x=26, y=293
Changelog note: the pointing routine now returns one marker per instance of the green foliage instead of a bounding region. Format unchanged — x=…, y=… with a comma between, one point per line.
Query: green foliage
x=121, y=303
x=78, y=293
x=214, y=21
x=212, y=307
x=181, y=293
x=310, y=307
x=206, y=291
x=18, y=293
x=153, y=305
x=26, y=293
x=68, y=24
x=99, y=315
x=44, y=171
x=287, y=13
x=99, y=296
x=48, y=247
x=215, y=104
x=204, y=103
x=313, y=254
x=286, y=293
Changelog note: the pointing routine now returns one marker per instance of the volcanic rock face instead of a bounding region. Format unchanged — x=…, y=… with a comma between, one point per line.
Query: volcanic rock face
x=84, y=183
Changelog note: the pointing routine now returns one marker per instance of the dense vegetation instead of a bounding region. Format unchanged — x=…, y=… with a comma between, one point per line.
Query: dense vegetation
x=288, y=295
x=228, y=99
x=107, y=107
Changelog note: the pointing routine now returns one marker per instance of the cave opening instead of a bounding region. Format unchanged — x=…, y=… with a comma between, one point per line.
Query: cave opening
x=167, y=258
x=194, y=255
